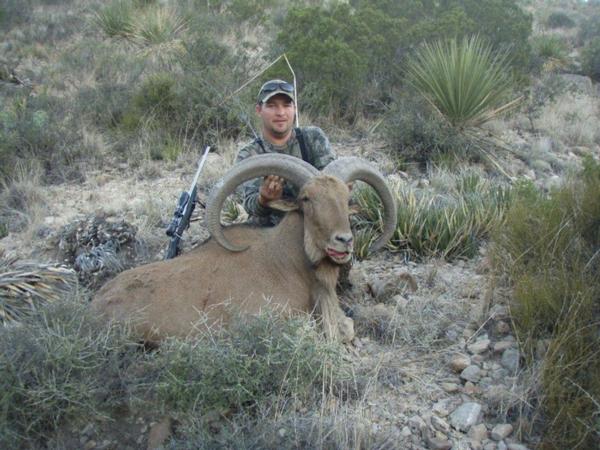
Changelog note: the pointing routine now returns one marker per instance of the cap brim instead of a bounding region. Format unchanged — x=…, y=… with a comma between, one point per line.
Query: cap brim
x=274, y=93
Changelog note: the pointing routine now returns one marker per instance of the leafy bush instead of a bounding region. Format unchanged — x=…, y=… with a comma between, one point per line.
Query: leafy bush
x=548, y=246
x=34, y=128
x=417, y=134
x=550, y=52
x=116, y=18
x=590, y=59
x=467, y=82
x=559, y=19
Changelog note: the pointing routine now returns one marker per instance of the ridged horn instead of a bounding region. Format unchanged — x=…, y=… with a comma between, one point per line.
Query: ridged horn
x=294, y=170
x=352, y=168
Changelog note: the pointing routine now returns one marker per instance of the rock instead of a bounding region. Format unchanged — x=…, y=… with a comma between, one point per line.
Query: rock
x=579, y=82
x=515, y=446
x=465, y=416
x=438, y=444
x=440, y=424
x=90, y=445
x=471, y=389
x=501, y=446
x=471, y=373
x=450, y=387
x=443, y=407
x=501, y=431
x=500, y=346
x=159, y=433
x=385, y=288
x=400, y=301
x=417, y=425
x=499, y=312
x=459, y=363
x=406, y=432
x=510, y=360
x=479, y=346
x=478, y=433
x=489, y=446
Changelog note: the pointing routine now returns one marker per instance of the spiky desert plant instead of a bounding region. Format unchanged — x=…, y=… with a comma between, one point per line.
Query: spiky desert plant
x=115, y=19
x=26, y=285
x=466, y=82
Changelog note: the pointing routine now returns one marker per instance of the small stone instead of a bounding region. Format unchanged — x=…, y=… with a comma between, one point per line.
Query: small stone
x=471, y=389
x=460, y=363
x=477, y=359
x=471, y=373
x=450, y=387
x=281, y=432
x=490, y=446
x=440, y=424
x=159, y=433
x=405, y=432
x=479, y=346
x=501, y=431
x=515, y=446
x=510, y=359
x=500, y=346
x=88, y=430
x=478, y=432
x=400, y=301
x=465, y=416
x=499, y=312
x=501, y=446
x=441, y=408
x=416, y=424
x=435, y=443
x=90, y=445
x=502, y=327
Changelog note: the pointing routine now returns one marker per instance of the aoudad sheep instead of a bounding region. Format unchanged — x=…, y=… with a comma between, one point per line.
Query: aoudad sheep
x=291, y=268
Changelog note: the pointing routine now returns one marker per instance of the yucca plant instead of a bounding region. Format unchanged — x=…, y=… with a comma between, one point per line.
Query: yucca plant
x=158, y=26
x=466, y=82
x=115, y=19
x=24, y=286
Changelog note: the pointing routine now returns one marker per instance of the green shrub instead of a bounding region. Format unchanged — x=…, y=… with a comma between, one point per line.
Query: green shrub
x=417, y=134
x=14, y=12
x=590, y=59
x=559, y=19
x=36, y=129
x=467, y=82
x=549, y=52
x=548, y=246
x=259, y=359
x=62, y=365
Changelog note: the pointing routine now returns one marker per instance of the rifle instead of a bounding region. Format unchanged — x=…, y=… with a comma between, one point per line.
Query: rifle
x=183, y=212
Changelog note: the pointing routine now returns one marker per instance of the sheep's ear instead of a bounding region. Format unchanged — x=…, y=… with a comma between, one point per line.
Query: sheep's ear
x=283, y=205
x=350, y=185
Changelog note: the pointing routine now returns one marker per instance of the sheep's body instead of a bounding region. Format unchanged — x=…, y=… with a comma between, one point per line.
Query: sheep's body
x=169, y=298
x=292, y=267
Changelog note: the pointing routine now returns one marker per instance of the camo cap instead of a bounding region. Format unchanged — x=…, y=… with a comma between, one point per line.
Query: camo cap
x=275, y=87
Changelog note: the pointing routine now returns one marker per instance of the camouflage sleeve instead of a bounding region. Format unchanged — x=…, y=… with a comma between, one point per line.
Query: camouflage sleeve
x=319, y=146
x=249, y=190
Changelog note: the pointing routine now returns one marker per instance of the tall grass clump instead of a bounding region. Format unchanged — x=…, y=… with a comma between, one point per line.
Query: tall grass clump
x=549, y=248
x=64, y=367
x=116, y=19
x=450, y=221
x=61, y=365
x=466, y=82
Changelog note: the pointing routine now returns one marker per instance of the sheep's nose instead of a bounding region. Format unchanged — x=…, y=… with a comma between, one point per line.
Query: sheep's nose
x=345, y=238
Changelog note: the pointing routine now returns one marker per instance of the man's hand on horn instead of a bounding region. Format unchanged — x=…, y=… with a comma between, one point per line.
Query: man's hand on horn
x=271, y=189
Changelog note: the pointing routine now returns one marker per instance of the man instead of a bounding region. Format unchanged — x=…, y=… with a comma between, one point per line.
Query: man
x=276, y=108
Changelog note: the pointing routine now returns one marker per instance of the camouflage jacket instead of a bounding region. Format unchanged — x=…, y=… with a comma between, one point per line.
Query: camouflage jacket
x=319, y=155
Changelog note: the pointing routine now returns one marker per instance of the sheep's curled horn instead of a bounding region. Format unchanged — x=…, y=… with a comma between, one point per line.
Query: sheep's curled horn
x=297, y=172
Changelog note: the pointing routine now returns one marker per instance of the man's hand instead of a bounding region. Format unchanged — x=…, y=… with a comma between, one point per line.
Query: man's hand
x=270, y=190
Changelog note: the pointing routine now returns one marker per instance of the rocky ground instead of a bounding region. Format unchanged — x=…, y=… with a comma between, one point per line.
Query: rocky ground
x=434, y=346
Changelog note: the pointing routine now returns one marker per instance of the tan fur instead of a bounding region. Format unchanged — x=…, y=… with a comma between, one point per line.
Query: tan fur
x=285, y=268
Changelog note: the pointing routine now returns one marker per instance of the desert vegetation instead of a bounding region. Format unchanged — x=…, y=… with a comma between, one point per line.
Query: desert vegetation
x=482, y=115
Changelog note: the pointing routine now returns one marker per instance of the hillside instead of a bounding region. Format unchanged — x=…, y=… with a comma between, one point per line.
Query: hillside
x=104, y=110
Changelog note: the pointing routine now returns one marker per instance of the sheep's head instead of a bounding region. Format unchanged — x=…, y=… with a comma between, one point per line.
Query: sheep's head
x=323, y=199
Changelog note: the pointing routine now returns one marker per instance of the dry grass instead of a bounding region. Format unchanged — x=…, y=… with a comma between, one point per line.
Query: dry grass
x=572, y=120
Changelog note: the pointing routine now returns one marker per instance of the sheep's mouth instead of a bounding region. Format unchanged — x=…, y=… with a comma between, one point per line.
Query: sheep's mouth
x=337, y=256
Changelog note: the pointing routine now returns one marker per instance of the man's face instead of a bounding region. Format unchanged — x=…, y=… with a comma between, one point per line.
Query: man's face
x=277, y=116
